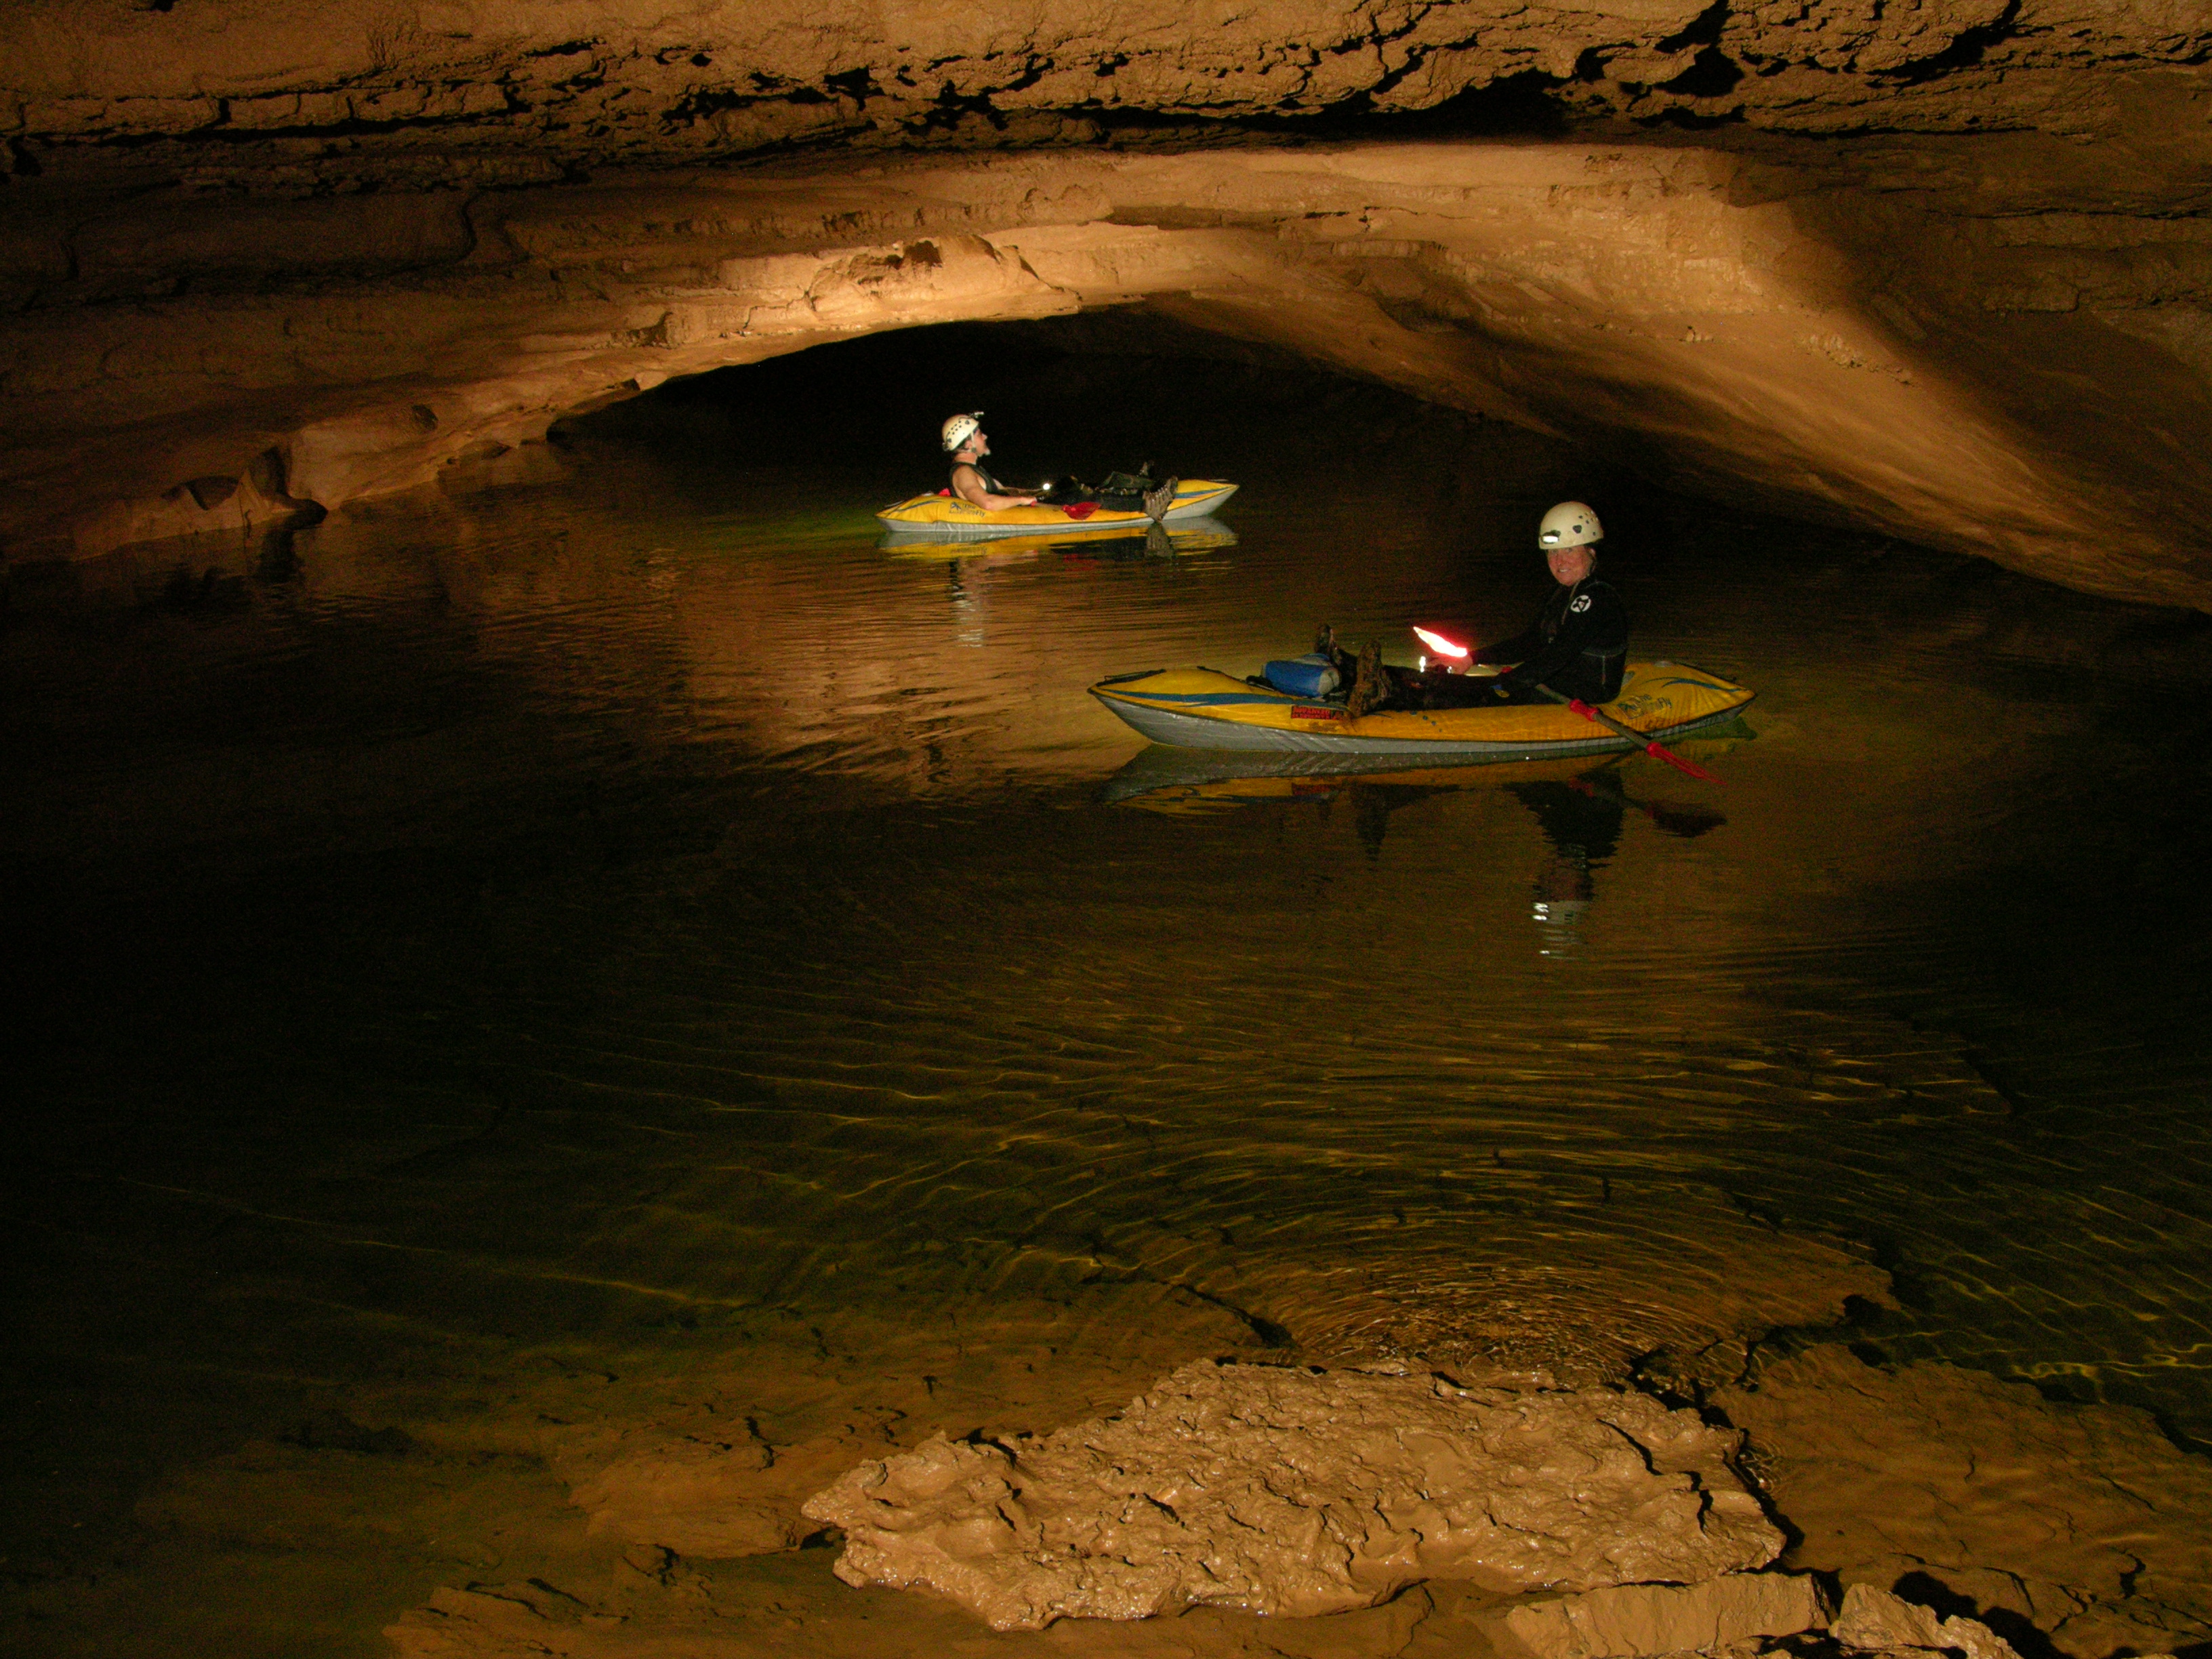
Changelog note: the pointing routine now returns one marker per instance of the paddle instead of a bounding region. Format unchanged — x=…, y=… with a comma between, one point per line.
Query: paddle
x=1648, y=744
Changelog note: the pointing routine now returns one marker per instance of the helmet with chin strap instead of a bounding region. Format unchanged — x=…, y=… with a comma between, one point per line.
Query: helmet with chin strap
x=1570, y=523
x=960, y=428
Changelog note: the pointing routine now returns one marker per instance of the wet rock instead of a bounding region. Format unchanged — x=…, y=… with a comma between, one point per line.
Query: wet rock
x=1294, y=1492
x=1629, y=1620
x=1878, y=1622
x=695, y=1498
x=2084, y=1523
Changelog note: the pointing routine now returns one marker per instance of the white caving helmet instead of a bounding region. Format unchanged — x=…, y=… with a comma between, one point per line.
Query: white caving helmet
x=1570, y=523
x=961, y=427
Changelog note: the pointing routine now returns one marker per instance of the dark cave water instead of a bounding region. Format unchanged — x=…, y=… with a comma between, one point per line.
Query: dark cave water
x=547, y=935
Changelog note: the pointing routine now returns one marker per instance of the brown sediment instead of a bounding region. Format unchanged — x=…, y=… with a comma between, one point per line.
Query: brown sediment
x=2007, y=1523
x=2083, y=1522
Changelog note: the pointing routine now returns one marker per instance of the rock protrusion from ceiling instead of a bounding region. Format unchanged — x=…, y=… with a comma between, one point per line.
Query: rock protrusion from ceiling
x=341, y=93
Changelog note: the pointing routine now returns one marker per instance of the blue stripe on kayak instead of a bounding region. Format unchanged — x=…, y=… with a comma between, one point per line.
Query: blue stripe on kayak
x=1702, y=686
x=1203, y=699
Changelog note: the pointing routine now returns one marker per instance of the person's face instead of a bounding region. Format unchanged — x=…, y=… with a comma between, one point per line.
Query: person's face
x=1570, y=564
x=979, y=443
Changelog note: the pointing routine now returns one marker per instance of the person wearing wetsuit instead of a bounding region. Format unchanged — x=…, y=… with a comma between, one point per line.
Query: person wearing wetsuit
x=1577, y=646
x=963, y=439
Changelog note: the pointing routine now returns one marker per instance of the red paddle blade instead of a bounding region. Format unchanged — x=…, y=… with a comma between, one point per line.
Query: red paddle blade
x=1656, y=751
x=1681, y=765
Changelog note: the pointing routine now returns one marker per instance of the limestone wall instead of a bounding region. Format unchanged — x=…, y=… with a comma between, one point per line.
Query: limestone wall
x=262, y=259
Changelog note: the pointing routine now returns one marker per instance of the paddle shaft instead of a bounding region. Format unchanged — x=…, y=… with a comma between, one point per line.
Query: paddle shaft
x=1643, y=740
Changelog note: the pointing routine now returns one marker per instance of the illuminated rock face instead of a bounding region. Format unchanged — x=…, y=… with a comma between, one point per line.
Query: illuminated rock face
x=236, y=292
x=1295, y=1492
x=329, y=90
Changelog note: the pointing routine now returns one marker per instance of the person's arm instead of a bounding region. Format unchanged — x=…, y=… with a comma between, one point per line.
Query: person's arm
x=1513, y=650
x=969, y=482
x=1592, y=618
x=1538, y=665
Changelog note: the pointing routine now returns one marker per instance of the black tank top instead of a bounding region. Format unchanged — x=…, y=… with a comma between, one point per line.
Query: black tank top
x=989, y=483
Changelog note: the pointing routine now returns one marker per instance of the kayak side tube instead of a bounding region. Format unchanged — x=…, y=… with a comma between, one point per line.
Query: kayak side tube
x=1205, y=708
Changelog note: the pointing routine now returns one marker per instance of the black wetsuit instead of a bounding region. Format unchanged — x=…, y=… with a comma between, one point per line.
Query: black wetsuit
x=1577, y=646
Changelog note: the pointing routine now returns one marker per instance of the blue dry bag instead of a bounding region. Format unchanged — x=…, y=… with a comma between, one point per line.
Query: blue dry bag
x=1311, y=676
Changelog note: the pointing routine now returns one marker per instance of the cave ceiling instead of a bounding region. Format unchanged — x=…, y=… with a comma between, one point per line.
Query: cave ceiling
x=1942, y=268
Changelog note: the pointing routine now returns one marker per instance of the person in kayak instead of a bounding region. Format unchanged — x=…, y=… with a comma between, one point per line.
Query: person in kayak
x=963, y=439
x=1577, y=646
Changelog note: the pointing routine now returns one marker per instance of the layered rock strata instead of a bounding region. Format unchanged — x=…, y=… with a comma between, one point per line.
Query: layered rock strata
x=340, y=91
x=1281, y=1492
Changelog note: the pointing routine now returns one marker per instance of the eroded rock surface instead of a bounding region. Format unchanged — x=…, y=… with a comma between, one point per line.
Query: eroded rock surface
x=327, y=91
x=2083, y=1522
x=1630, y=1620
x=1943, y=267
x=1959, y=1493
x=1875, y=1621
x=1945, y=342
x=1295, y=1492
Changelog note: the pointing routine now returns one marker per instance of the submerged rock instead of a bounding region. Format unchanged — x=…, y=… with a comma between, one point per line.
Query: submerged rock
x=1294, y=1492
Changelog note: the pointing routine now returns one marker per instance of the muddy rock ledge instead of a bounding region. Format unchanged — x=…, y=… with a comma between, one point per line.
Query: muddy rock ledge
x=1297, y=1491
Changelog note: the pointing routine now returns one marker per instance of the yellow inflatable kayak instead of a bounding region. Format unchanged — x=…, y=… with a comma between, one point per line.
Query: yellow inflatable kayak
x=952, y=518
x=1206, y=709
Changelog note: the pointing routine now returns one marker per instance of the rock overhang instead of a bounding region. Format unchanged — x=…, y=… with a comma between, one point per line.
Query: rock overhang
x=1996, y=344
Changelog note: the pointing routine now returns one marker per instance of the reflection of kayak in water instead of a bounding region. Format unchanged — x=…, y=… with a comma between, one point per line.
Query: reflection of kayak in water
x=1191, y=536
x=947, y=517
x=1580, y=804
x=1205, y=708
x=1161, y=779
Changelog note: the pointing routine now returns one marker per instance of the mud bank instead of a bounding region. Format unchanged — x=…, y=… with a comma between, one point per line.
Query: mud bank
x=1294, y=1492
x=2031, y=1526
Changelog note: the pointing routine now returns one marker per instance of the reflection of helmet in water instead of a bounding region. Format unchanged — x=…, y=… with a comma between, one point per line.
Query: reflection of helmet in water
x=1560, y=923
x=1570, y=524
x=961, y=427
